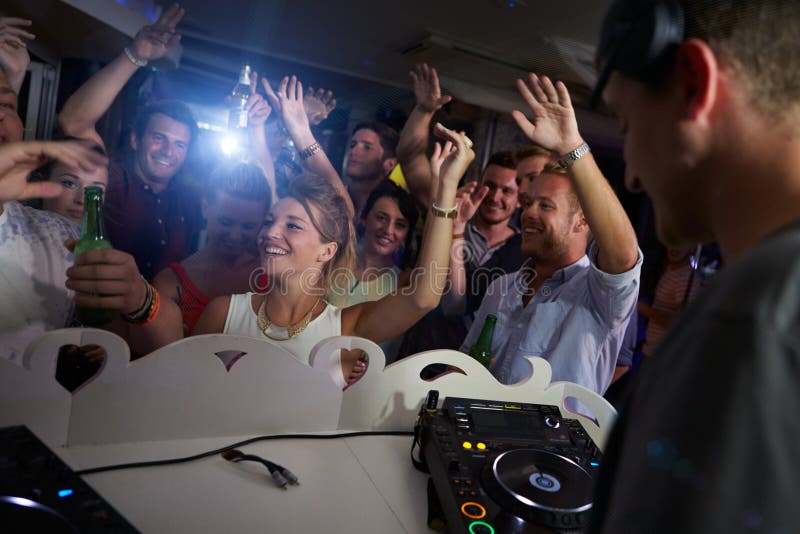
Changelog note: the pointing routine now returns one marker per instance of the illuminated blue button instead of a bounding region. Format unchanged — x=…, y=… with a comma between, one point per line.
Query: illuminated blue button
x=64, y=493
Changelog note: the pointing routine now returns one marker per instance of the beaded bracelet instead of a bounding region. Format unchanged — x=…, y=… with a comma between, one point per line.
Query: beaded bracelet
x=458, y=236
x=154, y=309
x=141, y=314
x=133, y=59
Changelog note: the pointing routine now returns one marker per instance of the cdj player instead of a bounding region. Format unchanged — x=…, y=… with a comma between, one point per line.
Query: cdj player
x=40, y=493
x=508, y=467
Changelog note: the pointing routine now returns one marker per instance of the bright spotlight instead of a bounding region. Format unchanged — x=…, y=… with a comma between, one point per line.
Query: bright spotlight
x=229, y=144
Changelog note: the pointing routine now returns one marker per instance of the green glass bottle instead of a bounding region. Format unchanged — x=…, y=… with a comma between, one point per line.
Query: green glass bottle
x=482, y=349
x=93, y=236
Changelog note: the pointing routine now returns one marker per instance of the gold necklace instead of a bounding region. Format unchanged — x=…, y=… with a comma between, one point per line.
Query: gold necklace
x=265, y=324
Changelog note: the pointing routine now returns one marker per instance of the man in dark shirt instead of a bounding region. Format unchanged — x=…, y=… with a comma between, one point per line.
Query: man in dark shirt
x=151, y=210
x=708, y=440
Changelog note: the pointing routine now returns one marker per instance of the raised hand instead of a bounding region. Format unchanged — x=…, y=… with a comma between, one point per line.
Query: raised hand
x=258, y=109
x=288, y=101
x=426, y=89
x=318, y=104
x=14, y=57
x=468, y=199
x=456, y=162
x=154, y=41
x=554, y=125
x=18, y=160
x=440, y=153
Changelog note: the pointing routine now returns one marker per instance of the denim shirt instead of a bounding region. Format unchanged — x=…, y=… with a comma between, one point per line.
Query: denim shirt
x=576, y=321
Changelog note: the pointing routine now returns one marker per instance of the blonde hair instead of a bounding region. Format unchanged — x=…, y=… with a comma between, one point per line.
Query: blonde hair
x=331, y=220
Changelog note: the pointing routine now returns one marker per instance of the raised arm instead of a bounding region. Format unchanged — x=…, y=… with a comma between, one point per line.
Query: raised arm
x=258, y=111
x=454, y=301
x=394, y=314
x=14, y=57
x=288, y=101
x=85, y=107
x=469, y=198
x=554, y=127
x=414, y=138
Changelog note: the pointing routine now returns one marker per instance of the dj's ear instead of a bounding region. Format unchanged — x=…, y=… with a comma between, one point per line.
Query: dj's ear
x=697, y=76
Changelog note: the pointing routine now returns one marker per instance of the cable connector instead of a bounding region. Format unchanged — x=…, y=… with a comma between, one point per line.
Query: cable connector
x=279, y=479
x=291, y=477
x=280, y=475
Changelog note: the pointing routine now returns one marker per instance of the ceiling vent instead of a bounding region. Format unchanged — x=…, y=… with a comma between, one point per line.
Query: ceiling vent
x=465, y=62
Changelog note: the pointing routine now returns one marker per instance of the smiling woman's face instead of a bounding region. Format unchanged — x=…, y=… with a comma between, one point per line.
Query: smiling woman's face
x=385, y=227
x=73, y=182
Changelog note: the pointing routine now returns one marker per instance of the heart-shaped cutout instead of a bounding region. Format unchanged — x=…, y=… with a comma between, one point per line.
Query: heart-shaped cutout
x=78, y=365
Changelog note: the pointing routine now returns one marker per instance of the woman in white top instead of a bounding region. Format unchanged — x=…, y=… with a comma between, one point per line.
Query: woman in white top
x=309, y=235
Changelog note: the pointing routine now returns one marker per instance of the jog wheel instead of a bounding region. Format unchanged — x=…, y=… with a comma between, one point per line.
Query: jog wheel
x=541, y=487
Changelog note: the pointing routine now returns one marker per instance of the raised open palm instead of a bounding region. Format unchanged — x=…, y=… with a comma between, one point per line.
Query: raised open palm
x=553, y=126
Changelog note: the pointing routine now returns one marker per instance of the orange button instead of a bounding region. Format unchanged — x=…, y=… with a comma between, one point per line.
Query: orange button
x=473, y=510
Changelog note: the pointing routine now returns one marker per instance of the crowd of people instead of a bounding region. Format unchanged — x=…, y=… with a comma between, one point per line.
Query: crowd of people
x=708, y=107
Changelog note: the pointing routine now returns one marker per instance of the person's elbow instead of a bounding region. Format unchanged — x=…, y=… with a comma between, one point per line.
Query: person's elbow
x=409, y=148
x=425, y=301
x=618, y=261
x=70, y=124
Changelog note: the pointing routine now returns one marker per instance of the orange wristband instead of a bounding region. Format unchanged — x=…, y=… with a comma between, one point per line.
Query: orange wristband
x=155, y=306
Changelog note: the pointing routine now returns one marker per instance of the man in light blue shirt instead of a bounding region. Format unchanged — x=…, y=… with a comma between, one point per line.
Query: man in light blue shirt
x=567, y=306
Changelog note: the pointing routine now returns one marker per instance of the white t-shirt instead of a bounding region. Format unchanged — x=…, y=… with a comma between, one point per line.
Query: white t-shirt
x=33, y=264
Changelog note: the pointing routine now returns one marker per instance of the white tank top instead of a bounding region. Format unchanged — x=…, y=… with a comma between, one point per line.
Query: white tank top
x=243, y=321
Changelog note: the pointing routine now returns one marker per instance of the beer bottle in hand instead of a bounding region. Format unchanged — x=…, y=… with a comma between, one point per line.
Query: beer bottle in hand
x=93, y=236
x=237, y=115
x=482, y=349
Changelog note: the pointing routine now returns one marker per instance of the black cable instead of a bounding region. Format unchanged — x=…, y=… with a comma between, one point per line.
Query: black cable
x=169, y=461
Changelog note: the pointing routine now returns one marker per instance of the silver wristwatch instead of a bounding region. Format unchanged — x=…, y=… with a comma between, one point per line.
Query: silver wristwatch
x=571, y=157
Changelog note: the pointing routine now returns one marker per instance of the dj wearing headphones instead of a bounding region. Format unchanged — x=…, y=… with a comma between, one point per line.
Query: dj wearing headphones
x=708, y=95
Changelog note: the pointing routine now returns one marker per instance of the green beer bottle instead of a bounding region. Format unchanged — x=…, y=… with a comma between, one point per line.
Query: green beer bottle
x=482, y=349
x=93, y=236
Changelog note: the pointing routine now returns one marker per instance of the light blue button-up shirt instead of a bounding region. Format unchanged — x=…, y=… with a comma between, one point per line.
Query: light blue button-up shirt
x=576, y=321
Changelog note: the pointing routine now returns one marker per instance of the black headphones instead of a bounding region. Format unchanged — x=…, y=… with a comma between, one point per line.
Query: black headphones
x=638, y=39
